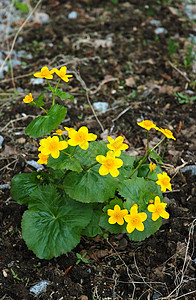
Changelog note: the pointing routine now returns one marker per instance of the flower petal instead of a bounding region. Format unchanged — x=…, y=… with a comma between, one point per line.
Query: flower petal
x=55, y=153
x=84, y=145
x=140, y=226
x=155, y=216
x=101, y=159
x=130, y=228
x=63, y=145
x=164, y=214
x=103, y=170
x=143, y=216
x=151, y=208
x=114, y=172
x=92, y=137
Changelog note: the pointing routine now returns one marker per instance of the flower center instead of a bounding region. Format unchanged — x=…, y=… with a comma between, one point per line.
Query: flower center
x=116, y=144
x=62, y=73
x=148, y=123
x=117, y=215
x=135, y=220
x=53, y=146
x=159, y=209
x=109, y=163
x=80, y=137
x=44, y=72
x=165, y=181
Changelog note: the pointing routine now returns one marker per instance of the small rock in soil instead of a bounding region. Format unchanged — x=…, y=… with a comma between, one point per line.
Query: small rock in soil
x=35, y=165
x=39, y=287
x=1, y=141
x=191, y=168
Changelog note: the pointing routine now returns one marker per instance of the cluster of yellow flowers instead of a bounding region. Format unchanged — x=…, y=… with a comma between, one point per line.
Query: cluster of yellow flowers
x=147, y=124
x=109, y=163
x=52, y=145
x=47, y=74
x=135, y=219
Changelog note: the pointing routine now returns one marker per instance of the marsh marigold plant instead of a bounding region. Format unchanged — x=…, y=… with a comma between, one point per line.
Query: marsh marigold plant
x=86, y=186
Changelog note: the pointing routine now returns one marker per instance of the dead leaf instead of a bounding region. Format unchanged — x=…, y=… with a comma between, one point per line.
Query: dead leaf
x=166, y=76
x=173, y=11
x=168, y=89
x=8, y=150
x=130, y=82
x=96, y=253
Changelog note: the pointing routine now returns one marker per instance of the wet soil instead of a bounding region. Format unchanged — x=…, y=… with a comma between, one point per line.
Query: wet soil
x=113, y=46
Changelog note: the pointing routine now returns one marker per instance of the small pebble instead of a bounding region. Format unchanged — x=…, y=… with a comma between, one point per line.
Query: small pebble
x=35, y=165
x=1, y=141
x=191, y=168
x=160, y=30
x=155, y=22
x=39, y=287
x=101, y=106
x=72, y=15
x=4, y=186
x=37, y=81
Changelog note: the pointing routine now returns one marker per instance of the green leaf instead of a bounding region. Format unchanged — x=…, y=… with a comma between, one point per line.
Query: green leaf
x=155, y=156
x=93, y=228
x=39, y=102
x=43, y=125
x=127, y=167
x=52, y=226
x=21, y=6
x=145, y=171
x=22, y=185
x=88, y=186
x=138, y=190
x=63, y=95
x=65, y=161
x=150, y=227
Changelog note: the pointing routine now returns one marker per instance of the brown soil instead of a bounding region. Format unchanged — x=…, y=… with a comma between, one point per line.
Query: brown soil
x=118, y=55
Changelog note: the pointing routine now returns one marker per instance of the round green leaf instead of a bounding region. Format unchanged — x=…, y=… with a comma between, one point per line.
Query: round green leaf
x=43, y=125
x=53, y=224
x=139, y=191
x=88, y=186
x=22, y=185
x=93, y=228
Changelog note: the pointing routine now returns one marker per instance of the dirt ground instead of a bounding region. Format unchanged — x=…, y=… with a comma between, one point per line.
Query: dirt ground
x=121, y=60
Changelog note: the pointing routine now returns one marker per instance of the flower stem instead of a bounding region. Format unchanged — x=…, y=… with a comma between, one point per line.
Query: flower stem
x=66, y=153
x=147, y=141
x=44, y=110
x=94, y=164
x=145, y=157
x=53, y=93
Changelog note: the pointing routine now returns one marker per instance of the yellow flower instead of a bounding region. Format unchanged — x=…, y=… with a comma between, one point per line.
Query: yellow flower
x=80, y=137
x=110, y=164
x=117, y=215
x=62, y=73
x=152, y=167
x=158, y=209
x=28, y=98
x=116, y=145
x=45, y=73
x=52, y=146
x=147, y=124
x=164, y=181
x=167, y=133
x=43, y=159
x=135, y=220
x=59, y=132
